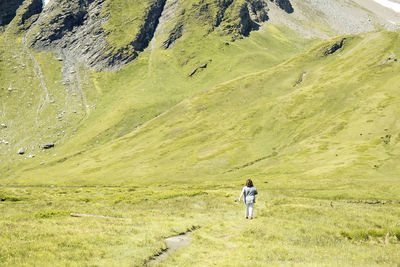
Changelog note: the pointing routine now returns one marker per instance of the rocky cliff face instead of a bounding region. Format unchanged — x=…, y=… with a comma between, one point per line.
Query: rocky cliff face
x=252, y=13
x=27, y=14
x=284, y=5
x=74, y=28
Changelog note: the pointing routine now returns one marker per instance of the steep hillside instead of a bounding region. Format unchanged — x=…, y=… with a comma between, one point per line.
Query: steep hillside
x=180, y=49
x=146, y=117
x=48, y=96
x=107, y=35
x=318, y=133
x=327, y=113
x=177, y=47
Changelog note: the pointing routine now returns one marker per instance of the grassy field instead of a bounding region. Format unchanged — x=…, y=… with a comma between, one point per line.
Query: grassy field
x=292, y=226
x=319, y=153
x=166, y=153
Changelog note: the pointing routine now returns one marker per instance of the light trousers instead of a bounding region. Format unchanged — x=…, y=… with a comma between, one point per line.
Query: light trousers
x=249, y=209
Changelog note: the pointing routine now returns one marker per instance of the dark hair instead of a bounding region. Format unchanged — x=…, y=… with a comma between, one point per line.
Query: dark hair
x=249, y=183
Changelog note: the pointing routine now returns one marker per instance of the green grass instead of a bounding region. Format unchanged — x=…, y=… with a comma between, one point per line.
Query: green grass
x=316, y=174
x=165, y=152
x=258, y=125
x=289, y=228
x=125, y=20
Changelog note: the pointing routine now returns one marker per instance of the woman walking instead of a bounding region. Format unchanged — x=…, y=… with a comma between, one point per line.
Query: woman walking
x=249, y=192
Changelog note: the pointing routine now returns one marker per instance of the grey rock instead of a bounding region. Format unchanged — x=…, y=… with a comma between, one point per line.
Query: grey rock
x=335, y=47
x=3, y=125
x=284, y=5
x=29, y=13
x=389, y=59
x=174, y=35
x=203, y=66
x=252, y=13
x=21, y=151
x=48, y=146
x=258, y=10
x=74, y=29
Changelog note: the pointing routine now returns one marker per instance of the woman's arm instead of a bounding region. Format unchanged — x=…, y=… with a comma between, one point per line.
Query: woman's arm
x=241, y=194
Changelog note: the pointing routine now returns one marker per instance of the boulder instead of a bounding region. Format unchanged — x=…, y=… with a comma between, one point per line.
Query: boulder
x=48, y=146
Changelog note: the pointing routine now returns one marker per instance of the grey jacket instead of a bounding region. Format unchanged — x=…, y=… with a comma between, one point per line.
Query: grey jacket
x=249, y=194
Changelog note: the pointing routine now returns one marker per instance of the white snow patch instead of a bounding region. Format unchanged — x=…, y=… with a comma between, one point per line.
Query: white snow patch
x=389, y=4
x=45, y=2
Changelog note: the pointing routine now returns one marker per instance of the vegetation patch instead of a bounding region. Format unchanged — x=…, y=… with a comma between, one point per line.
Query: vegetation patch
x=46, y=214
x=377, y=235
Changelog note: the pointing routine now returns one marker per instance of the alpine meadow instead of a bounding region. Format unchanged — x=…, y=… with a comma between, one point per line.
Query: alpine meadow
x=128, y=129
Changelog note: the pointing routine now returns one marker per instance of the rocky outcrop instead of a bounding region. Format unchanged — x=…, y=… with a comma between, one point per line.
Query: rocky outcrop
x=48, y=146
x=33, y=8
x=335, y=47
x=174, y=35
x=284, y=5
x=149, y=27
x=258, y=10
x=74, y=29
x=222, y=7
x=246, y=24
x=8, y=10
x=27, y=14
x=254, y=12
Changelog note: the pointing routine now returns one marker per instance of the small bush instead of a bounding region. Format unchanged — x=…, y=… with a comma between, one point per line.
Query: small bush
x=5, y=197
x=367, y=234
x=44, y=214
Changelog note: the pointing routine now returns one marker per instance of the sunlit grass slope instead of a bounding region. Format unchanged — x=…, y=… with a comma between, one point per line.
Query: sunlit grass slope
x=337, y=125
x=317, y=133
x=111, y=105
x=292, y=226
x=37, y=105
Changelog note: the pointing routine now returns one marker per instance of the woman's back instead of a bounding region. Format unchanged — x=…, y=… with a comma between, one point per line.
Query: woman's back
x=250, y=193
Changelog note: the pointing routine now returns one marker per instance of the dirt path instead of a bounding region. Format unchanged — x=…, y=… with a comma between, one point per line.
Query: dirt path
x=173, y=243
x=38, y=73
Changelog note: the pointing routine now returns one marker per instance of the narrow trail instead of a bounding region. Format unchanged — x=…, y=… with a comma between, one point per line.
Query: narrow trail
x=173, y=243
x=38, y=73
x=151, y=47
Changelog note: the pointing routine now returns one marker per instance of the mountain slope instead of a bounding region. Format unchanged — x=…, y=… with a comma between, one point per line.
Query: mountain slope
x=318, y=115
x=48, y=97
x=154, y=128
x=85, y=112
